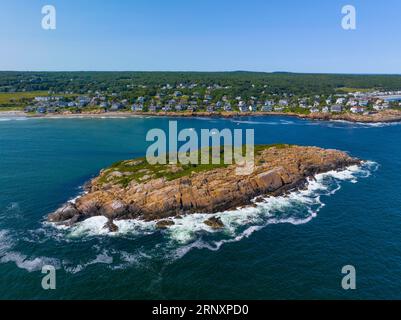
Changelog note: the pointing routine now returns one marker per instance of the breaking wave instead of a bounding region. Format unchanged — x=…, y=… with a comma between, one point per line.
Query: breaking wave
x=190, y=232
x=140, y=243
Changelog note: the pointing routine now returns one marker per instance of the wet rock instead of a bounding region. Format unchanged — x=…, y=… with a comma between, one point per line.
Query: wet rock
x=65, y=213
x=214, y=223
x=110, y=225
x=164, y=224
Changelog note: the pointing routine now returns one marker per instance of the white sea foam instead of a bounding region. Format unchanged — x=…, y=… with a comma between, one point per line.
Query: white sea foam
x=101, y=258
x=3, y=119
x=33, y=264
x=22, y=261
x=297, y=207
x=190, y=232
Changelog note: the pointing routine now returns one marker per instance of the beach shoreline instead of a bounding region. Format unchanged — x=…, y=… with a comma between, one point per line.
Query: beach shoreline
x=386, y=116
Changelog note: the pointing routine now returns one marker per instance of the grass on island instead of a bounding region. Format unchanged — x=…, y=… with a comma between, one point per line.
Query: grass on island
x=123, y=172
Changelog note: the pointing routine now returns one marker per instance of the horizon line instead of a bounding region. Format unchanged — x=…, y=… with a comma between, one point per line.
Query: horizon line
x=197, y=71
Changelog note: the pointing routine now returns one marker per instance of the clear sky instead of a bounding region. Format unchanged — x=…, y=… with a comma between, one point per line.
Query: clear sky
x=202, y=35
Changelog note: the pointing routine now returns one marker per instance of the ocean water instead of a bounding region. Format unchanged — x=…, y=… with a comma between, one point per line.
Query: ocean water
x=291, y=247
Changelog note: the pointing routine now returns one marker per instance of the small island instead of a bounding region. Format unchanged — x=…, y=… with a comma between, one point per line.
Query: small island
x=134, y=189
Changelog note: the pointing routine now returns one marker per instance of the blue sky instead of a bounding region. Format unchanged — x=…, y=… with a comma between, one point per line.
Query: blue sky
x=202, y=35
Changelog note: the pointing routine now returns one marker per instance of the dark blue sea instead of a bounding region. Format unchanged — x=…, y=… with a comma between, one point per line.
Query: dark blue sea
x=291, y=247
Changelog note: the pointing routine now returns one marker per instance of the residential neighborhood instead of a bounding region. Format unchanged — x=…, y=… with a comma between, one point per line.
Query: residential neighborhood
x=170, y=98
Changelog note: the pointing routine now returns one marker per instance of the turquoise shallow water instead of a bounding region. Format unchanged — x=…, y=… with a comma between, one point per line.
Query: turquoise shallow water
x=291, y=247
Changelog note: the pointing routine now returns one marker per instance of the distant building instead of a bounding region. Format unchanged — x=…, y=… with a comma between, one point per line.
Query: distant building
x=267, y=108
x=137, y=108
x=283, y=102
x=357, y=109
x=340, y=100
x=153, y=108
x=30, y=109
x=116, y=106
x=41, y=110
x=336, y=109
x=210, y=109
x=252, y=108
x=243, y=108
x=227, y=107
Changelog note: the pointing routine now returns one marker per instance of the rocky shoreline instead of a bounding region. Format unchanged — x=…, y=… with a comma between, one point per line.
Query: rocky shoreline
x=134, y=190
x=386, y=116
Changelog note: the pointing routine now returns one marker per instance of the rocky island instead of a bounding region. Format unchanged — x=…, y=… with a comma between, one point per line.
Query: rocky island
x=133, y=189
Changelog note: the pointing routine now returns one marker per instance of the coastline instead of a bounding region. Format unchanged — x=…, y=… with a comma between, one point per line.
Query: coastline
x=386, y=116
x=132, y=189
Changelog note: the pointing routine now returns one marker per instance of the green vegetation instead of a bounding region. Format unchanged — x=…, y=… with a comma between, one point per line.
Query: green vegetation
x=353, y=90
x=123, y=172
x=246, y=84
x=17, y=100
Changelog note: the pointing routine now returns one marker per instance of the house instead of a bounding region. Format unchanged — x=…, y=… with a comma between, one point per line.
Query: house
x=241, y=104
x=325, y=109
x=269, y=103
x=41, y=110
x=153, y=108
x=83, y=101
x=283, y=102
x=52, y=110
x=357, y=109
x=252, y=108
x=191, y=108
x=62, y=104
x=336, y=109
x=278, y=109
x=242, y=108
x=104, y=104
x=303, y=105
x=29, y=109
x=137, y=107
x=210, y=109
x=267, y=108
x=363, y=103
x=227, y=107
x=42, y=99
x=352, y=103
x=116, y=106
x=340, y=101
x=314, y=110
x=379, y=107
